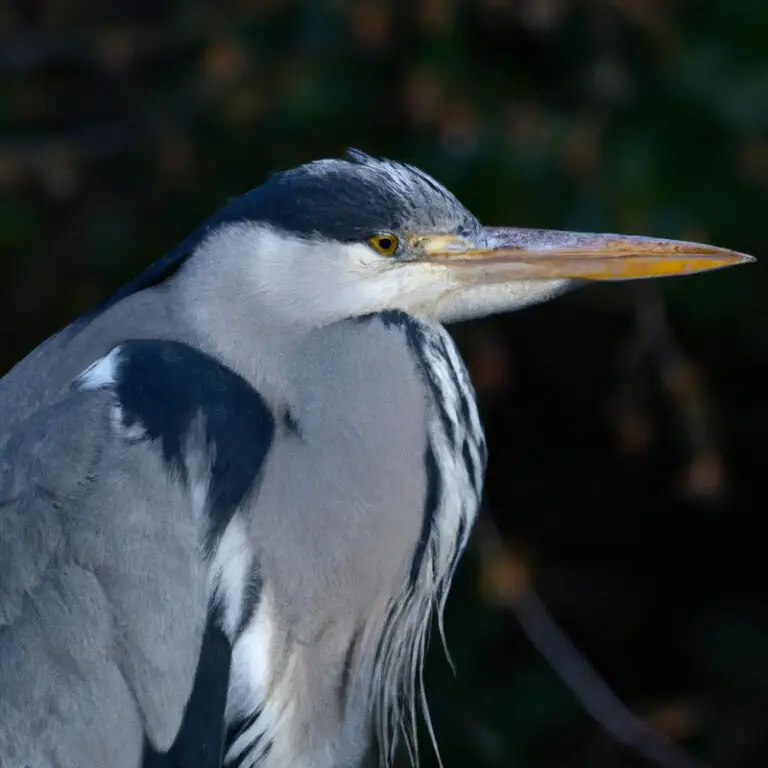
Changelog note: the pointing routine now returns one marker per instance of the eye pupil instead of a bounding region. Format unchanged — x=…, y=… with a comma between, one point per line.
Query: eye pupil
x=384, y=244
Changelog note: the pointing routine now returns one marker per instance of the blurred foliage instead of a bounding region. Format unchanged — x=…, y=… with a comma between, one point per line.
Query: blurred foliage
x=626, y=425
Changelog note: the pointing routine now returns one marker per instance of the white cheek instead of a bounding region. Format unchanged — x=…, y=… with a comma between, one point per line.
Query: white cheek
x=374, y=283
x=329, y=282
x=291, y=284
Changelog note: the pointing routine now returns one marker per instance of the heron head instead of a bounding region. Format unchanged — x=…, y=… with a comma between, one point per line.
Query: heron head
x=342, y=238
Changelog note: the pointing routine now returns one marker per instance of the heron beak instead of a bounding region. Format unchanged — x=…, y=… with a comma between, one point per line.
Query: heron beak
x=510, y=253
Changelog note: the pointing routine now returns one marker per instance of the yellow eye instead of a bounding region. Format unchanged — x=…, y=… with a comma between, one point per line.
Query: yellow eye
x=385, y=244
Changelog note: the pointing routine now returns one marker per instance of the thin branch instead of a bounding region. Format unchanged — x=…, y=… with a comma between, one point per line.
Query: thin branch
x=584, y=682
x=683, y=388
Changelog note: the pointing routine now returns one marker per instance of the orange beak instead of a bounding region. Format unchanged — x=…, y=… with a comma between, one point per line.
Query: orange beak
x=511, y=253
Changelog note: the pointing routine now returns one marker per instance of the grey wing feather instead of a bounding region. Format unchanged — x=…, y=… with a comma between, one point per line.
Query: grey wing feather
x=103, y=591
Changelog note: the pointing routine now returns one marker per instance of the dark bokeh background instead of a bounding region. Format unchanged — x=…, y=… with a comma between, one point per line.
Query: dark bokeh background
x=627, y=424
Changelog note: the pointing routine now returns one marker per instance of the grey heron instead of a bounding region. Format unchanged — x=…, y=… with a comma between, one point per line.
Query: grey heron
x=232, y=497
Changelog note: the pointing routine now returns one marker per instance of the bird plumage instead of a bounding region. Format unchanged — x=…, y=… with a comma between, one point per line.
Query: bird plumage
x=379, y=367
x=233, y=496
x=83, y=650
x=454, y=461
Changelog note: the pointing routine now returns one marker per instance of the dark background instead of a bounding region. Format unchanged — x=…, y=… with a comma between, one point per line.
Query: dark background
x=627, y=424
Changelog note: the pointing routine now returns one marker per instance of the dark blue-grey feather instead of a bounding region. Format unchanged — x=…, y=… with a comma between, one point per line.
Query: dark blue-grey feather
x=261, y=743
x=201, y=738
x=429, y=513
x=164, y=386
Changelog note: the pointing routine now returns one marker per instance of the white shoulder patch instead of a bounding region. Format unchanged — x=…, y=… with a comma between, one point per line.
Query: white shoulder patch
x=101, y=374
